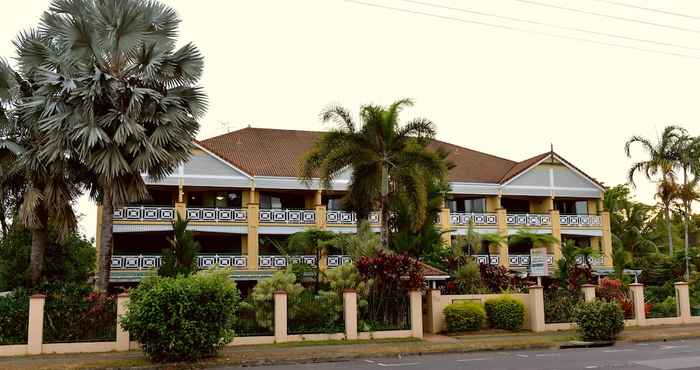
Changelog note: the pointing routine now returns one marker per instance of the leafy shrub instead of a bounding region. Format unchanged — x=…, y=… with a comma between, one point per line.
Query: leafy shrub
x=316, y=313
x=73, y=313
x=559, y=305
x=464, y=316
x=666, y=308
x=14, y=316
x=467, y=279
x=180, y=258
x=262, y=296
x=612, y=290
x=183, y=318
x=505, y=313
x=599, y=320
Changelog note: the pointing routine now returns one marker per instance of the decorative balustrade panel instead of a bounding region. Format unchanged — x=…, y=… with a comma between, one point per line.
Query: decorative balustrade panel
x=144, y=213
x=529, y=219
x=523, y=260
x=279, y=262
x=479, y=219
x=580, y=220
x=484, y=259
x=335, y=261
x=287, y=216
x=348, y=218
x=217, y=214
x=593, y=260
x=143, y=262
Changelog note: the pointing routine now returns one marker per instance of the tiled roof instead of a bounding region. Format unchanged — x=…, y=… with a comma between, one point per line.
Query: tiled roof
x=429, y=271
x=274, y=152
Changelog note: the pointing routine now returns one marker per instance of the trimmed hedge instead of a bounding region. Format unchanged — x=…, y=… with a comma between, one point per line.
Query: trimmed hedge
x=464, y=316
x=505, y=313
x=598, y=320
x=183, y=318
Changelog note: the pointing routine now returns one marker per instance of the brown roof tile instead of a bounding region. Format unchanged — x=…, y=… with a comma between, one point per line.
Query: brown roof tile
x=274, y=152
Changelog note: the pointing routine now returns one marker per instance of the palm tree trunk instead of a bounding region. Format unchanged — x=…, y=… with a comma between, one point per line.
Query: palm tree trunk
x=669, y=231
x=3, y=219
x=104, y=260
x=40, y=241
x=384, y=205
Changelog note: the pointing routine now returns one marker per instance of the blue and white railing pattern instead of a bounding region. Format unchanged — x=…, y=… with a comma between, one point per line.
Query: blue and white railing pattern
x=204, y=261
x=580, y=220
x=528, y=219
x=479, y=219
x=287, y=216
x=217, y=214
x=348, y=218
x=280, y=262
x=337, y=260
x=144, y=213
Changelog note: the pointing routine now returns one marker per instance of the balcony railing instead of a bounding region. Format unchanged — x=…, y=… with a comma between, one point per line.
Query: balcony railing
x=217, y=214
x=484, y=259
x=580, y=220
x=523, y=260
x=479, y=219
x=287, y=216
x=593, y=260
x=528, y=219
x=349, y=218
x=279, y=262
x=204, y=261
x=335, y=261
x=145, y=213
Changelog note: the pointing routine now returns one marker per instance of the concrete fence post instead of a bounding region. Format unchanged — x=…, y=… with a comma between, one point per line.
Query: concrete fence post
x=433, y=307
x=537, y=309
x=35, y=329
x=122, y=335
x=588, y=292
x=280, y=316
x=640, y=316
x=350, y=313
x=683, y=301
x=416, y=306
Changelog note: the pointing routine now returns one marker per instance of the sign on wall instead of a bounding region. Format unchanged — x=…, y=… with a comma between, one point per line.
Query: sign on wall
x=538, y=262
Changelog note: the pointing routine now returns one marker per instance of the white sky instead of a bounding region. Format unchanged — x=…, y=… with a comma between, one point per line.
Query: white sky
x=509, y=93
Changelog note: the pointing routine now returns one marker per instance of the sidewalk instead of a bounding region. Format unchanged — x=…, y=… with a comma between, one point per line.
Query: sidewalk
x=338, y=350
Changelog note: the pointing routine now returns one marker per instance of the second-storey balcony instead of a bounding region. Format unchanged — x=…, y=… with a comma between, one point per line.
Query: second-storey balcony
x=335, y=217
x=287, y=216
x=529, y=219
x=204, y=261
x=217, y=214
x=144, y=213
x=580, y=221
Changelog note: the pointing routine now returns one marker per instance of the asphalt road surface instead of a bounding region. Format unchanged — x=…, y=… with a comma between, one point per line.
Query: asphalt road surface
x=683, y=354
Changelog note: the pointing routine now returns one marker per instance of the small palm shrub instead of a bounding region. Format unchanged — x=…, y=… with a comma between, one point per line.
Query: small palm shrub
x=599, y=320
x=505, y=313
x=665, y=308
x=183, y=318
x=464, y=316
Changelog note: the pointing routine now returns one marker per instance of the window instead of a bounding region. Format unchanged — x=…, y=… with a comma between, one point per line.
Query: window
x=513, y=205
x=270, y=202
x=467, y=205
x=571, y=207
x=220, y=199
x=334, y=204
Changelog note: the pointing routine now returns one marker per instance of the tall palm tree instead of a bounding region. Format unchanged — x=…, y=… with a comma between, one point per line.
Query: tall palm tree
x=667, y=193
x=131, y=98
x=689, y=163
x=46, y=188
x=662, y=159
x=381, y=154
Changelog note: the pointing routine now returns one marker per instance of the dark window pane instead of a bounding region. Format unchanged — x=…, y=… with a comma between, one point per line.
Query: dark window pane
x=581, y=207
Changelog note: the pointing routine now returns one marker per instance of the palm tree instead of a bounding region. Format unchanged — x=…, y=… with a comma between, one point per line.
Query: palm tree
x=662, y=158
x=689, y=162
x=667, y=193
x=130, y=97
x=381, y=154
x=536, y=240
x=46, y=188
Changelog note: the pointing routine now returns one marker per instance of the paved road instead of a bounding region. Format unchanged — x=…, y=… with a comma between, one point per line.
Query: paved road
x=661, y=355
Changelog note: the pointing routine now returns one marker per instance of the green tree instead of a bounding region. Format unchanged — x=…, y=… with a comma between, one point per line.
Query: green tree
x=364, y=243
x=534, y=239
x=130, y=98
x=181, y=257
x=689, y=163
x=662, y=158
x=381, y=154
x=311, y=241
x=43, y=186
x=630, y=222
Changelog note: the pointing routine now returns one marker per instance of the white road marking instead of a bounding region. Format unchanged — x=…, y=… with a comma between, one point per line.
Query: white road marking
x=548, y=355
x=522, y=356
x=473, y=359
x=591, y=367
x=674, y=347
x=398, y=364
x=370, y=361
x=618, y=350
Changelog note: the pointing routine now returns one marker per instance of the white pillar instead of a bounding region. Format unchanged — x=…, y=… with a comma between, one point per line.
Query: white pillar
x=350, y=313
x=122, y=335
x=35, y=329
x=416, y=313
x=280, y=316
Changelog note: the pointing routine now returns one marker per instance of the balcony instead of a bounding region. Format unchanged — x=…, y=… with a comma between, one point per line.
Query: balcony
x=523, y=260
x=287, y=216
x=217, y=215
x=479, y=219
x=204, y=261
x=349, y=218
x=580, y=221
x=280, y=262
x=529, y=219
x=144, y=213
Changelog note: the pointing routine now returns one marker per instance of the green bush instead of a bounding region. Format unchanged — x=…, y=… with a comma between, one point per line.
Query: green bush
x=666, y=308
x=74, y=313
x=559, y=306
x=183, y=318
x=14, y=316
x=505, y=313
x=599, y=320
x=464, y=316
